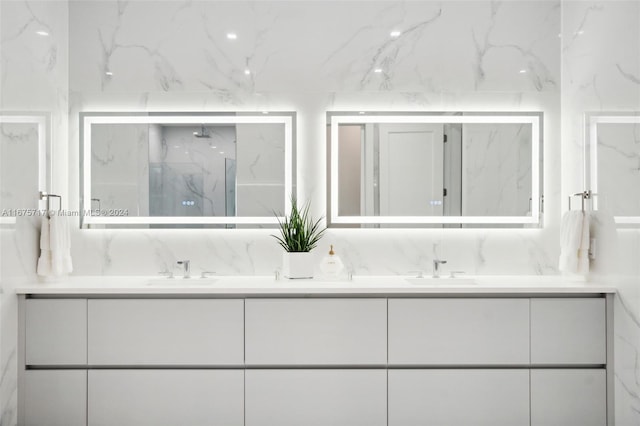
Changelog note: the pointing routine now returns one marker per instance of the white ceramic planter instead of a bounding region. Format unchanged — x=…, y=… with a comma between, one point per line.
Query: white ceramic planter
x=296, y=265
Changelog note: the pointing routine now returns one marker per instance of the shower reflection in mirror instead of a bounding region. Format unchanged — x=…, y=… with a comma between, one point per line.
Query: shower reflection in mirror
x=188, y=171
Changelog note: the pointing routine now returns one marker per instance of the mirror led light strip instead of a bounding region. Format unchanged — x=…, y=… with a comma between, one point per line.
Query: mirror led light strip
x=89, y=120
x=534, y=120
x=594, y=120
x=41, y=121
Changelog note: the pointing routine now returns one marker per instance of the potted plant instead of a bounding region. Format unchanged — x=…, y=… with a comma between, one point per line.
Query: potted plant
x=299, y=234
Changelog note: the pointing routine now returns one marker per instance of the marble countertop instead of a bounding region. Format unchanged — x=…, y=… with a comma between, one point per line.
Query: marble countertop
x=268, y=285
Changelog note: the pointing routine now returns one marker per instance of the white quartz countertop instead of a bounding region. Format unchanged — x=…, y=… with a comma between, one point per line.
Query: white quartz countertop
x=267, y=285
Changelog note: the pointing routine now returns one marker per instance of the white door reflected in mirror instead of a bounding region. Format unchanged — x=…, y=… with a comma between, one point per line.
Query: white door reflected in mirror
x=434, y=169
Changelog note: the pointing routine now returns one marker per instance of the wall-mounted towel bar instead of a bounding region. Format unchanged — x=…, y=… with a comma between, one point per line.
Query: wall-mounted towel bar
x=585, y=195
x=46, y=196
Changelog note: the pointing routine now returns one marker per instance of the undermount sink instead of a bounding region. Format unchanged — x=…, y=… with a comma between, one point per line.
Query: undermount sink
x=441, y=281
x=181, y=282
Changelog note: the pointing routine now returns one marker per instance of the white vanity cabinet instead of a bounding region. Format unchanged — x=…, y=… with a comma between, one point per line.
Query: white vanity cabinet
x=324, y=359
x=55, y=335
x=134, y=362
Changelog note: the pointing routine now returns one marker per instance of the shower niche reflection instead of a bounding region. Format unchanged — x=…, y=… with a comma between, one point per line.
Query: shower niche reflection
x=192, y=170
x=434, y=169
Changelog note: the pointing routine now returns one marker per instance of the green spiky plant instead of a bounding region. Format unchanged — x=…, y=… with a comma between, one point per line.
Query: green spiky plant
x=298, y=231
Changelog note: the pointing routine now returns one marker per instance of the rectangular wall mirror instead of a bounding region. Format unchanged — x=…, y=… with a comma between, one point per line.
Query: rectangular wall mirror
x=614, y=158
x=181, y=170
x=450, y=169
x=24, y=170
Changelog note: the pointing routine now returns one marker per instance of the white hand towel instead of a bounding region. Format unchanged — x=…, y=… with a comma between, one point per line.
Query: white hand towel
x=583, y=250
x=44, y=261
x=60, y=245
x=572, y=230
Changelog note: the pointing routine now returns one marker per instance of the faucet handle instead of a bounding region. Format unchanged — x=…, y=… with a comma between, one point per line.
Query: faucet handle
x=187, y=267
x=205, y=274
x=436, y=267
x=419, y=273
x=349, y=274
x=167, y=273
x=453, y=274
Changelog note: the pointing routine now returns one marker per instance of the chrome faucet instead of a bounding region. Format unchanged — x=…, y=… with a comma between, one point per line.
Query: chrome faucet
x=436, y=267
x=187, y=268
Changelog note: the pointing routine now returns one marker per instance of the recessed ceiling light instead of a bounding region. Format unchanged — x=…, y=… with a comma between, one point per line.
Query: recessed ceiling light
x=195, y=133
x=213, y=147
x=221, y=152
x=523, y=71
x=247, y=72
x=109, y=73
x=580, y=32
x=361, y=112
x=265, y=112
x=176, y=146
x=232, y=36
x=42, y=33
x=378, y=70
x=395, y=34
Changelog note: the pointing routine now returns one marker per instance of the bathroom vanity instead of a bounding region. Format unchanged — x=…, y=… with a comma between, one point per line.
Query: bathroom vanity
x=375, y=351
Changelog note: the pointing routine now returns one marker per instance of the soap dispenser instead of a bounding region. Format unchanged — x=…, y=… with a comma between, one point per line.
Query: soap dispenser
x=331, y=265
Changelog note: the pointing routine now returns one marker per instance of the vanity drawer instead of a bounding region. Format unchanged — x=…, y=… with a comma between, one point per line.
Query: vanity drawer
x=55, y=398
x=562, y=397
x=204, y=332
x=568, y=331
x=318, y=397
x=166, y=397
x=458, y=331
x=316, y=331
x=55, y=331
x=467, y=397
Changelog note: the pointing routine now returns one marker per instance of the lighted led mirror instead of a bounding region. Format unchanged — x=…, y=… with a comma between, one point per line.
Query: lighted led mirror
x=24, y=142
x=181, y=170
x=614, y=158
x=449, y=169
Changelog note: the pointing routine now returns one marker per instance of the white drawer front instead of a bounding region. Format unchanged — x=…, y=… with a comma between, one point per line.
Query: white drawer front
x=568, y=397
x=166, y=332
x=458, y=331
x=55, y=398
x=316, y=397
x=459, y=397
x=166, y=397
x=316, y=331
x=56, y=331
x=568, y=331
